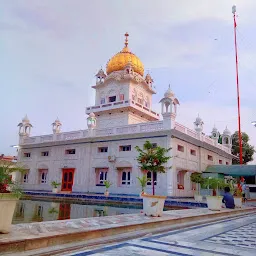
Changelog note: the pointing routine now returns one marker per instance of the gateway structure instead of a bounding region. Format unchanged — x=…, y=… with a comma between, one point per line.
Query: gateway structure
x=121, y=119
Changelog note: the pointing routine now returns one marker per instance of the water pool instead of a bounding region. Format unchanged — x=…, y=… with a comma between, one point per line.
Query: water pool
x=36, y=210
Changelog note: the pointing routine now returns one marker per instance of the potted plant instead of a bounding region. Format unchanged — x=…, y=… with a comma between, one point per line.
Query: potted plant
x=238, y=199
x=143, y=183
x=107, y=185
x=55, y=186
x=199, y=180
x=214, y=202
x=152, y=159
x=9, y=194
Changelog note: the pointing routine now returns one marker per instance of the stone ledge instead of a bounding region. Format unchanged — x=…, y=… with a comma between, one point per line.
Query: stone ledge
x=33, y=236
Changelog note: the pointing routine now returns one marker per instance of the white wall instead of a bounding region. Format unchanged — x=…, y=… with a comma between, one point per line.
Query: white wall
x=87, y=158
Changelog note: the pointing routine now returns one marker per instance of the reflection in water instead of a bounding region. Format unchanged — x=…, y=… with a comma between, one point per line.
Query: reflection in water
x=64, y=212
x=36, y=211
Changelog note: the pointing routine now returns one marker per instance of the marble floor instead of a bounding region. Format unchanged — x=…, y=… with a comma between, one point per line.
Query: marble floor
x=234, y=236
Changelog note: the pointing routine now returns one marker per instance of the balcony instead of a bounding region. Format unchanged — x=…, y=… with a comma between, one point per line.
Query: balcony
x=123, y=104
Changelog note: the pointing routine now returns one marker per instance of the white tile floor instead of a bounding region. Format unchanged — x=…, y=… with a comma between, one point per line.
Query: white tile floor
x=235, y=236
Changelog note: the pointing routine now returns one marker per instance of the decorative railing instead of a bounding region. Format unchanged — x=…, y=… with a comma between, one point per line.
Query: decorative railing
x=72, y=135
x=46, y=138
x=204, y=138
x=125, y=103
x=127, y=129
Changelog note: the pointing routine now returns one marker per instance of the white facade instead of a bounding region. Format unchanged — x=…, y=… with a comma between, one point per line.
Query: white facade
x=121, y=119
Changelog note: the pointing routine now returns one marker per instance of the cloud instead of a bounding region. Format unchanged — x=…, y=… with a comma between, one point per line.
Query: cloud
x=63, y=44
x=36, y=16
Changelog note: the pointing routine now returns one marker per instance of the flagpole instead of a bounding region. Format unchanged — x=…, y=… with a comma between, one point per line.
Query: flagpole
x=238, y=93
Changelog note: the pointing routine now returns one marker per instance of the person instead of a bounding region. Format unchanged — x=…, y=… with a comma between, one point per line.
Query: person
x=244, y=191
x=228, y=199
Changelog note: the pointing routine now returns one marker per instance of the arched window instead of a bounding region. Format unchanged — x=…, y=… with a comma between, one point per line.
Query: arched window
x=149, y=178
x=25, y=177
x=102, y=98
x=42, y=174
x=167, y=107
x=140, y=99
x=126, y=176
x=121, y=95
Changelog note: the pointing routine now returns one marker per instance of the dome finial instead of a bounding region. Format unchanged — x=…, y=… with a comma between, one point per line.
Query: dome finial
x=120, y=60
x=126, y=39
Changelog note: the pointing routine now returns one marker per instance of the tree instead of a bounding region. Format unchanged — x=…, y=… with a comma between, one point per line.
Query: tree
x=248, y=150
x=7, y=185
x=198, y=179
x=152, y=159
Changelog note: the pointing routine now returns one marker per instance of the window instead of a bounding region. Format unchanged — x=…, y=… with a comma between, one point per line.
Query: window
x=133, y=97
x=101, y=176
x=227, y=163
x=43, y=176
x=112, y=99
x=121, y=96
x=27, y=154
x=125, y=148
x=126, y=177
x=220, y=161
x=103, y=149
x=149, y=177
x=25, y=178
x=210, y=158
x=102, y=101
x=140, y=101
x=40, y=211
x=70, y=151
x=154, y=145
x=192, y=152
x=46, y=153
x=180, y=148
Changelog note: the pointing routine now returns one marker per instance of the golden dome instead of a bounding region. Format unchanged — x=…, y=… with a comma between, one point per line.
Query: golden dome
x=123, y=58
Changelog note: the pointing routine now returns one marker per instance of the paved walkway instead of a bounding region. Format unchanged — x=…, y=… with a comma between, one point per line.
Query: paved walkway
x=236, y=236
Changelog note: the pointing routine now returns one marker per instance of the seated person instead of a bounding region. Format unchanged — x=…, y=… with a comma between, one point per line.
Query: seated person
x=228, y=199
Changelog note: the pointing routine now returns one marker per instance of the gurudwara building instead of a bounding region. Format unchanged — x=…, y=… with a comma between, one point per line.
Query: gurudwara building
x=121, y=119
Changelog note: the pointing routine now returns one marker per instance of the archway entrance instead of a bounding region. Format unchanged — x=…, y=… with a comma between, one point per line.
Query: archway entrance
x=67, y=179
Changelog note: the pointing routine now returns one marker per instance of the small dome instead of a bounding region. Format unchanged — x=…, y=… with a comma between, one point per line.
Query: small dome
x=124, y=58
x=199, y=120
x=214, y=130
x=92, y=115
x=148, y=77
x=101, y=73
x=169, y=93
x=227, y=131
x=57, y=121
x=25, y=119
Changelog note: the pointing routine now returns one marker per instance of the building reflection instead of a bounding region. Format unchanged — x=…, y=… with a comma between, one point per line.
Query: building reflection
x=64, y=211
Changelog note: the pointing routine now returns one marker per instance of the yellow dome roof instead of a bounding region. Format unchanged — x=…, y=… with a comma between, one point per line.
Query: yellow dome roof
x=123, y=58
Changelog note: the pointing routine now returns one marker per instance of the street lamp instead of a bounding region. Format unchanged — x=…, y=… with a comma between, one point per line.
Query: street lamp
x=254, y=123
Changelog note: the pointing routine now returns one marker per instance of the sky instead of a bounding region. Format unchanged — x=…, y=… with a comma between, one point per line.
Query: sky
x=51, y=50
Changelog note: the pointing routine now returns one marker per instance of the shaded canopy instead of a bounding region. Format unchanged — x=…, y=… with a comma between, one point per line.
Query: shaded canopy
x=232, y=170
